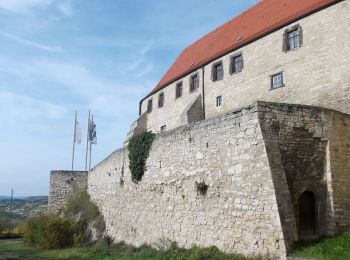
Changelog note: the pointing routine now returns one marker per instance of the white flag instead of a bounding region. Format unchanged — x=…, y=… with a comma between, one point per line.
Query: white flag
x=78, y=133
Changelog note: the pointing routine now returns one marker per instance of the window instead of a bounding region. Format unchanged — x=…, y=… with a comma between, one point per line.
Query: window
x=277, y=80
x=218, y=71
x=292, y=38
x=237, y=64
x=161, y=100
x=194, y=82
x=163, y=128
x=178, y=89
x=219, y=101
x=149, y=106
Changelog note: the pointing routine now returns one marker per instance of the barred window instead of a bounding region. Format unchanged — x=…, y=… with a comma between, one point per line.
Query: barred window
x=194, y=83
x=219, y=101
x=237, y=64
x=277, y=80
x=161, y=100
x=178, y=90
x=149, y=106
x=218, y=71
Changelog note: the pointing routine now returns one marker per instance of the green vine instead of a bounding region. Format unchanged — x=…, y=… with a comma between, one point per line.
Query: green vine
x=139, y=147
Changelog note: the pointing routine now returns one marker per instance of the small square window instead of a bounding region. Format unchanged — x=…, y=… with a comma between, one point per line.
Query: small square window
x=218, y=71
x=237, y=64
x=163, y=128
x=277, y=81
x=219, y=101
x=178, y=89
x=149, y=106
x=161, y=100
x=194, y=82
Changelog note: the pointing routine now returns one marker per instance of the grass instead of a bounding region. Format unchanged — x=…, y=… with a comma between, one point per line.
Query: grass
x=336, y=248
x=17, y=249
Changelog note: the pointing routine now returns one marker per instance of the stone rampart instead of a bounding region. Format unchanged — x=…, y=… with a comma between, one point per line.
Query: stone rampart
x=62, y=183
x=257, y=161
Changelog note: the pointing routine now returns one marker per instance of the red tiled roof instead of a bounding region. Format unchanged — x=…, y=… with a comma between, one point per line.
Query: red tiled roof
x=261, y=19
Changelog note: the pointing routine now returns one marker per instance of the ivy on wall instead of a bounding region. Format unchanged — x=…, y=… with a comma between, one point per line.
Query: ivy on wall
x=139, y=147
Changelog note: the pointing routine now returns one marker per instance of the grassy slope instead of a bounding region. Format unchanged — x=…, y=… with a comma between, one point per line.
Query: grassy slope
x=337, y=248
x=16, y=248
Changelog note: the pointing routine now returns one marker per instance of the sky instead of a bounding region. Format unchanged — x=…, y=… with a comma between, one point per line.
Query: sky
x=61, y=56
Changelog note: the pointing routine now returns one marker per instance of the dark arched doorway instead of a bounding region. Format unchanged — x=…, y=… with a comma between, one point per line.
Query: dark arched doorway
x=307, y=215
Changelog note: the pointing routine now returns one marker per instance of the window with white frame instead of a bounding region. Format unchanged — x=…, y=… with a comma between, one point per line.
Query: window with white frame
x=219, y=101
x=277, y=80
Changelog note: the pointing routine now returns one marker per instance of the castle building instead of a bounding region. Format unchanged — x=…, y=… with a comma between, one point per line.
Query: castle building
x=279, y=50
x=258, y=111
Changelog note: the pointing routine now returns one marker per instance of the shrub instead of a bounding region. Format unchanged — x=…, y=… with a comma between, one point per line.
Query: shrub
x=139, y=147
x=57, y=234
x=78, y=203
x=3, y=225
x=202, y=187
x=48, y=232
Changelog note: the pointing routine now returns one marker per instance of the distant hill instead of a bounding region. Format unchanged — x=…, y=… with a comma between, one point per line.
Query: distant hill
x=36, y=198
x=22, y=207
x=30, y=198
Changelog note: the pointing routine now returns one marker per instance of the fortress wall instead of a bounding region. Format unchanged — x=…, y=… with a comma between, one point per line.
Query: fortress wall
x=239, y=213
x=257, y=161
x=339, y=162
x=62, y=183
x=312, y=146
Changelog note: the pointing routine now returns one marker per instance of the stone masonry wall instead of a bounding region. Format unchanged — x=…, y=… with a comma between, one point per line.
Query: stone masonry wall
x=257, y=161
x=318, y=73
x=311, y=146
x=62, y=183
x=239, y=212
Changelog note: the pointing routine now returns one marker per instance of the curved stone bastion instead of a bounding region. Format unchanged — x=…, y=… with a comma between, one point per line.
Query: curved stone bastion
x=265, y=164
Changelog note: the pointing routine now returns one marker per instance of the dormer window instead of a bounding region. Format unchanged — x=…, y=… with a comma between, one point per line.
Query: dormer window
x=218, y=71
x=149, y=106
x=161, y=100
x=194, y=83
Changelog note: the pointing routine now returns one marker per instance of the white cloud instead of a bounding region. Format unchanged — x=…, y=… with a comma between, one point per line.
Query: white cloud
x=140, y=64
x=23, y=6
x=31, y=43
x=16, y=108
x=66, y=8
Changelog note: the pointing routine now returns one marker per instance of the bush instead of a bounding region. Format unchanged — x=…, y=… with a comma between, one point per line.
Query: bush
x=57, y=234
x=48, y=232
x=139, y=147
x=3, y=225
x=78, y=203
x=202, y=187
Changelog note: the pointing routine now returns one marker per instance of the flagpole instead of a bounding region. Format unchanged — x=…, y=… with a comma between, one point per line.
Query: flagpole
x=75, y=129
x=87, y=143
x=92, y=121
